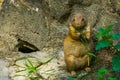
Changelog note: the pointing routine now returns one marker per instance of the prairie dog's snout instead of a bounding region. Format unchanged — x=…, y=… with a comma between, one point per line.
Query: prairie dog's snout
x=78, y=20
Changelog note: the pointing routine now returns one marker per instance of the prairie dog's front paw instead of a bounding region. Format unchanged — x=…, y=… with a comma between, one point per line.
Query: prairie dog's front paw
x=73, y=73
x=88, y=35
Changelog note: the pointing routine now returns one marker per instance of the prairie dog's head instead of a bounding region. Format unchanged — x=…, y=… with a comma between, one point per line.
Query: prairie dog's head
x=78, y=21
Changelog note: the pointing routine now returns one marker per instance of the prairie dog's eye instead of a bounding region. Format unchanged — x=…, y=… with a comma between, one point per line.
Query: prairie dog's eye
x=83, y=19
x=73, y=19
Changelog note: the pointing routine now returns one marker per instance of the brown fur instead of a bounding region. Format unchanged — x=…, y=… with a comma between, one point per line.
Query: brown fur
x=75, y=51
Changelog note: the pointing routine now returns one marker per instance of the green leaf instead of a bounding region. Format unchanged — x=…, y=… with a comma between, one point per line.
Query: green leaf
x=108, y=28
x=21, y=70
x=70, y=78
x=116, y=62
x=30, y=67
x=22, y=58
x=100, y=79
x=102, y=72
x=104, y=32
x=19, y=75
x=27, y=65
x=30, y=63
x=117, y=46
x=100, y=29
x=116, y=36
x=34, y=78
x=102, y=44
x=91, y=54
x=100, y=32
x=112, y=79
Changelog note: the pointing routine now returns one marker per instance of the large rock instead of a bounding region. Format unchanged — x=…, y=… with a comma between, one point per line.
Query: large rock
x=24, y=25
x=7, y=43
x=43, y=28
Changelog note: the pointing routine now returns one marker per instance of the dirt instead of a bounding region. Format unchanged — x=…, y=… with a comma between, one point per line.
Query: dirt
x=13, y=14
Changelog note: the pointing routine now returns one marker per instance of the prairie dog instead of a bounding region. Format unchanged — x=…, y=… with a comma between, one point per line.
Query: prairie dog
x=1, y=2
x=75, y=51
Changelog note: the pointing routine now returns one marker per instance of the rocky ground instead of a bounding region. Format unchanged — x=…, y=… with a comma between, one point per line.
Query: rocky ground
x=52, y=70
x=37, y=28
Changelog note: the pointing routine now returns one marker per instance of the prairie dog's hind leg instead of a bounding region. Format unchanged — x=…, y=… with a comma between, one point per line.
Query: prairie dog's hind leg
x=70, y=63
x=86, y=59
x=83, y=61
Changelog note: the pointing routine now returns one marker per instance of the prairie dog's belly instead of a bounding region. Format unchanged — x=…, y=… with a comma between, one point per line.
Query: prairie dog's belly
x=74, y=48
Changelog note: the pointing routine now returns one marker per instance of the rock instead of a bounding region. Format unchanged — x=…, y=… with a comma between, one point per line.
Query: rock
x=7, y=43
x=31, y=28
x=4, y=70
x=55, y=8
x=43, y=30
x=55, y=66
